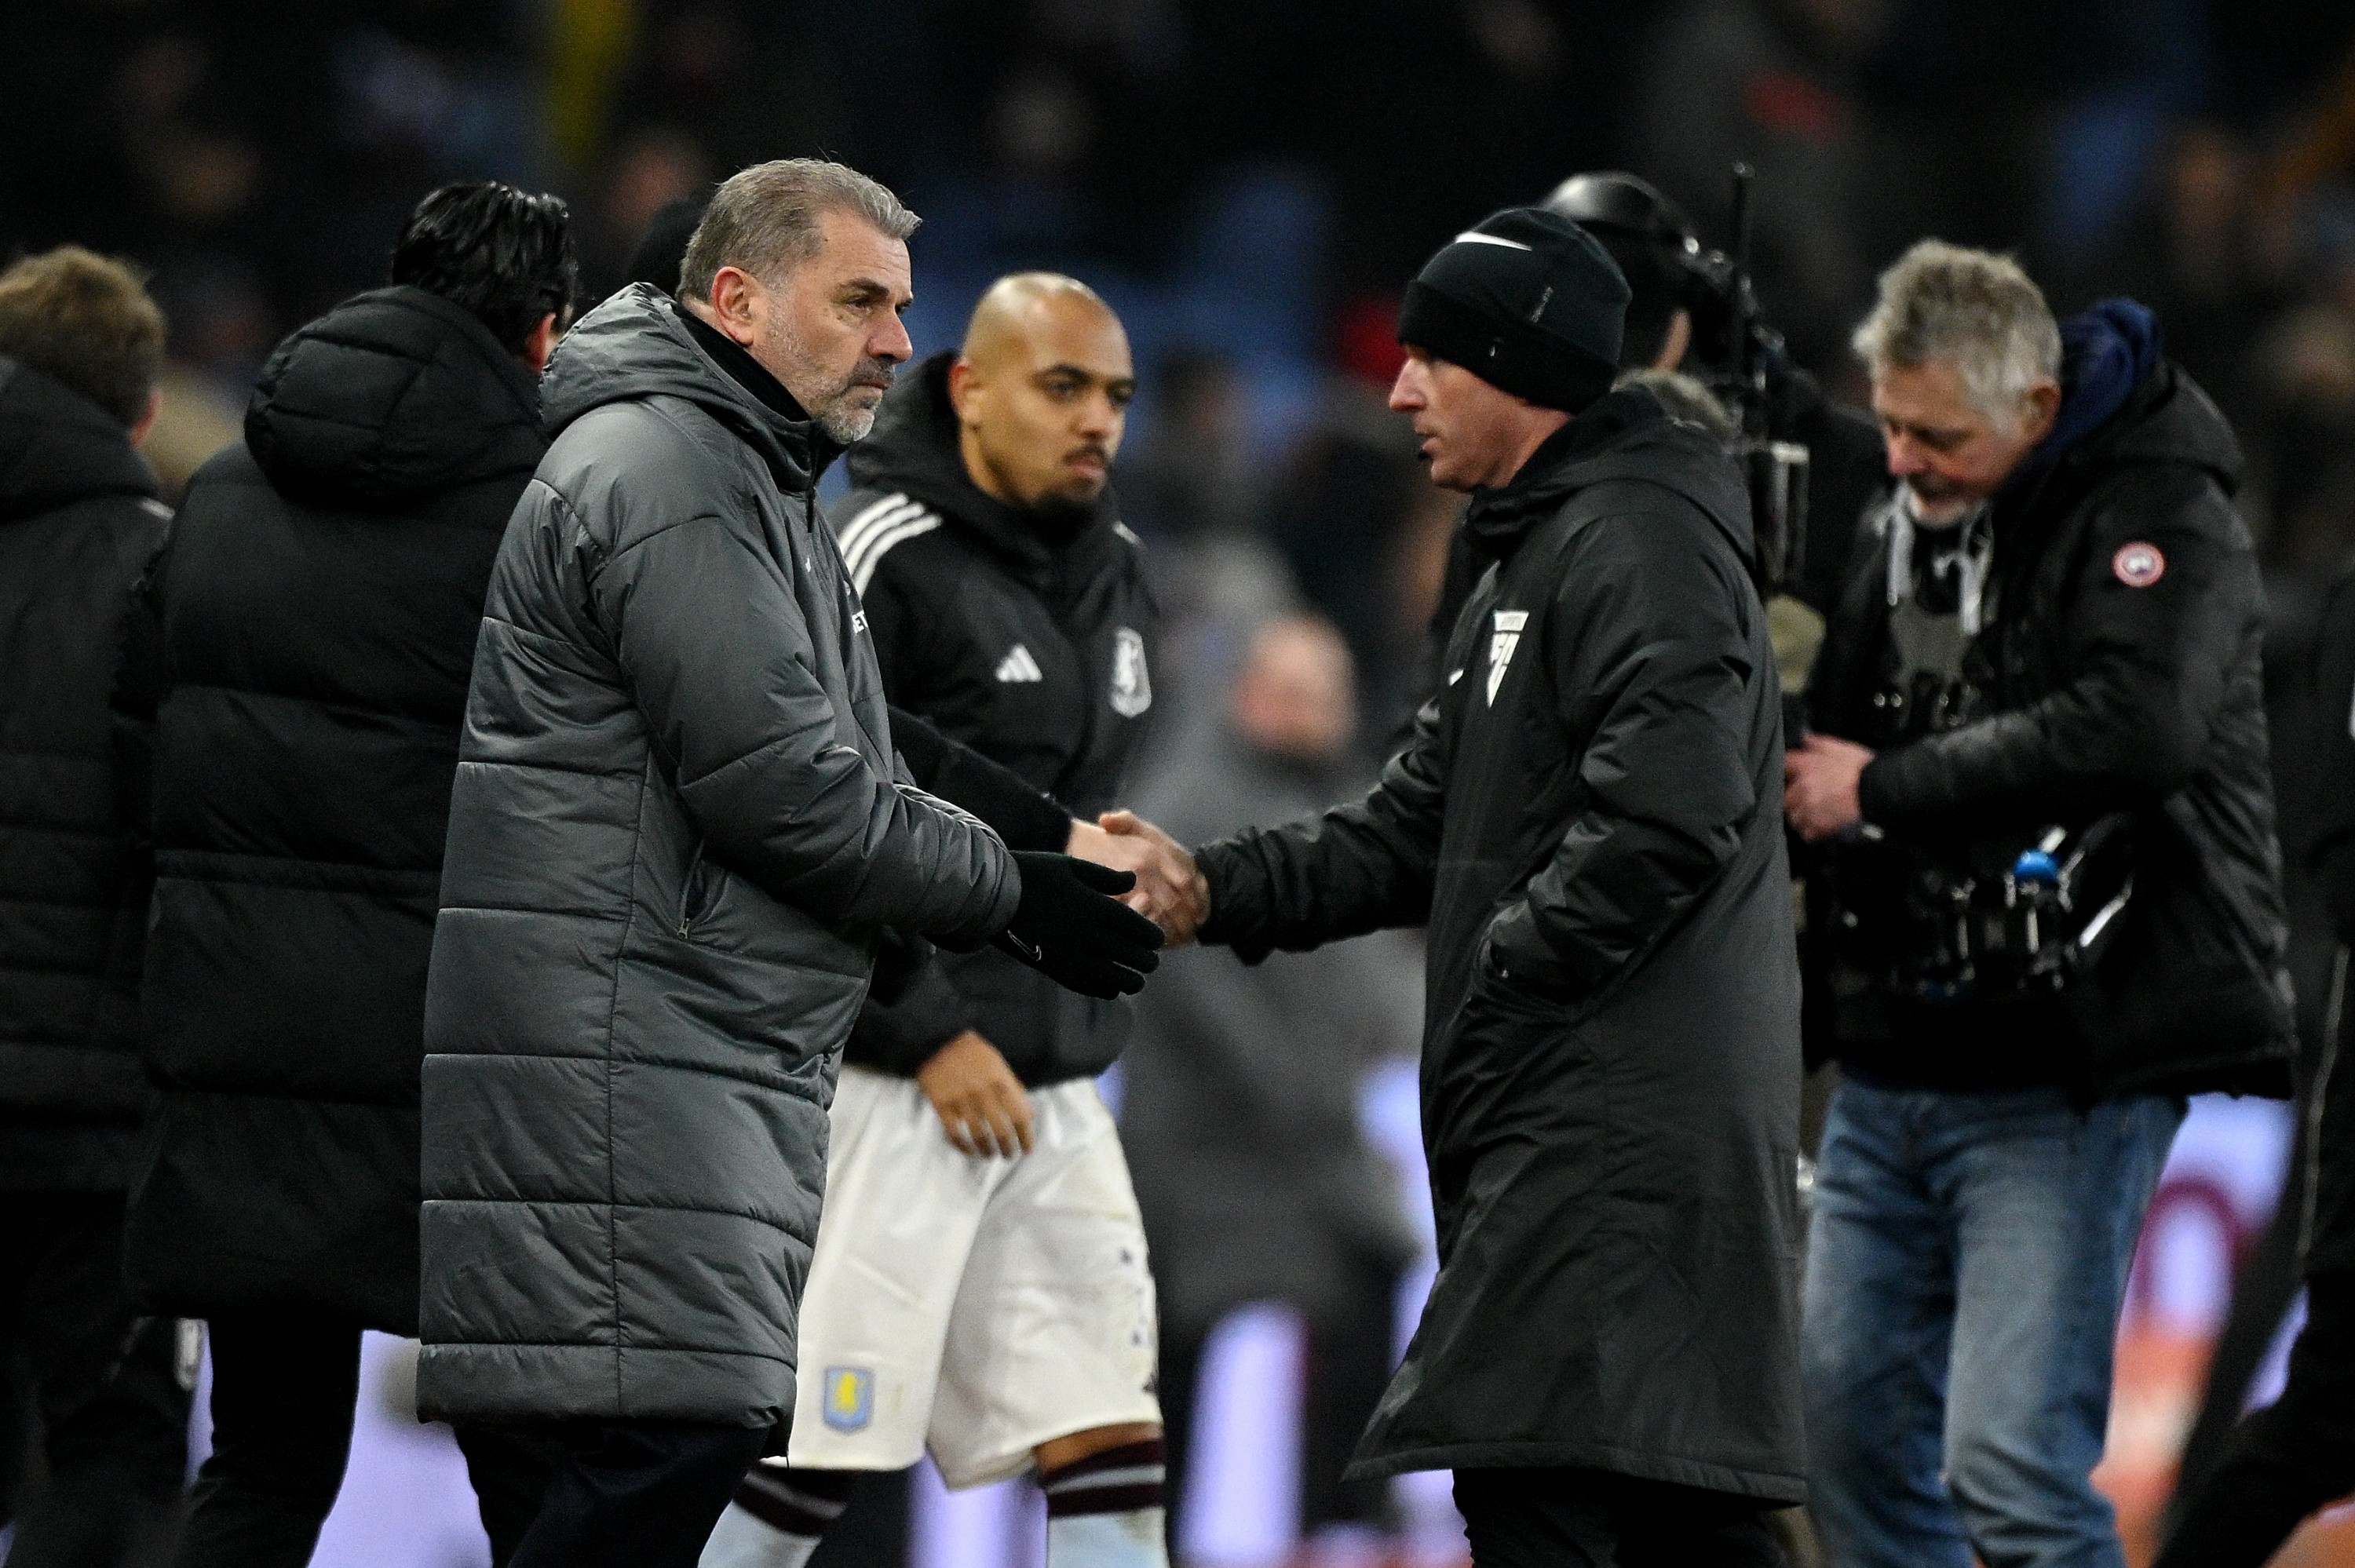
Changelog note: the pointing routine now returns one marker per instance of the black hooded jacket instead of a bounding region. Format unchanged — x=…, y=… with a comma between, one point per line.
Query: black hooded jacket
x=2115, y=688
x=320, y=602
x=1032, y=649
x=79, y=521
x=1589, y=822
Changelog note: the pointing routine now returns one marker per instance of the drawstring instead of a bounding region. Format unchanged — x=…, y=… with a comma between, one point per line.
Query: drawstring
x=1973, y=554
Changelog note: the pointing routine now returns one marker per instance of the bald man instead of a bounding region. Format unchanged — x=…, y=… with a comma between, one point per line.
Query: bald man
x=979, y=1289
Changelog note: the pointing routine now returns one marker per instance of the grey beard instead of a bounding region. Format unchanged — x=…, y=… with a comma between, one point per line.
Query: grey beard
x=846, y=425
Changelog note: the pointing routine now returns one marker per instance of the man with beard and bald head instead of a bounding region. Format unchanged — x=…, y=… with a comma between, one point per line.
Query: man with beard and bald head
x=979, y=1288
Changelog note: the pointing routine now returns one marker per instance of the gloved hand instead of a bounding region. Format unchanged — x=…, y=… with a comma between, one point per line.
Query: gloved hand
x=1072, y=928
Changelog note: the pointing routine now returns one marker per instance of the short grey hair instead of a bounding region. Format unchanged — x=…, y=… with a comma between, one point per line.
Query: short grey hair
x=1974, y=310
x=765, y=220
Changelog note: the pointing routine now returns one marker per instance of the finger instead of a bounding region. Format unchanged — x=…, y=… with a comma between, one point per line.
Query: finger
x=1023, y=1124
x=1120, y=822
x=960, y=1138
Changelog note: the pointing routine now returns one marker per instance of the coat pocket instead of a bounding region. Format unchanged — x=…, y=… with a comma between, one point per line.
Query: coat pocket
x=700, y=891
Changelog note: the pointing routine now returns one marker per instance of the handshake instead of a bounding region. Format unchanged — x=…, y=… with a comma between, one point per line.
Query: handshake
x=1072, y=929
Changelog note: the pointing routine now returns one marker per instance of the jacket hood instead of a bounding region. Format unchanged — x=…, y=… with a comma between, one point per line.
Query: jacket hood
x=393, y=395
x=914, y=449
x=2166, y=420
x=2106, y=352
x=56, y=447
x=634, y=347
x=1627, y=434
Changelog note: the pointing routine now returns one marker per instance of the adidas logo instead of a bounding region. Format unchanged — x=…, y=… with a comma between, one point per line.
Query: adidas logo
x=1018, y=666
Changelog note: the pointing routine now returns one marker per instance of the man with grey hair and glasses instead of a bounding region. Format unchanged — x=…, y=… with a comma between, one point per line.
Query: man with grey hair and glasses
x=678, y=834
x=2045, y=874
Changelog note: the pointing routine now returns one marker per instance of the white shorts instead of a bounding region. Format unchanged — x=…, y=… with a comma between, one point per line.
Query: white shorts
x=976, y=1307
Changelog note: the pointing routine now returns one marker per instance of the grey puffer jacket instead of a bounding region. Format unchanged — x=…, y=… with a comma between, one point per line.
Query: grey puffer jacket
x=675, y=834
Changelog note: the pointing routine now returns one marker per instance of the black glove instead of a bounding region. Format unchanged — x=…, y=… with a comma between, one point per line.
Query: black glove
x=1071, y=930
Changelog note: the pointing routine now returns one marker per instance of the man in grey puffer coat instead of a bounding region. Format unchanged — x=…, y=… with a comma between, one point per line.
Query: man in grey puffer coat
x=678, y=830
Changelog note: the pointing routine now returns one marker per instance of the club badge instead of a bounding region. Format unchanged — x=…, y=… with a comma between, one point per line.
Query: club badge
x=1132, y=683
x=2138, y=564
x=849, y=1398
x=1501, y=643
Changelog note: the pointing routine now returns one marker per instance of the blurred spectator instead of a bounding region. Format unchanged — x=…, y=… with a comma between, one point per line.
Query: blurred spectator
x=80, y=343
x=1352, y=511
x=318, y=607
x=1769, y=82
x=2193, y=253
x=1239, y=1100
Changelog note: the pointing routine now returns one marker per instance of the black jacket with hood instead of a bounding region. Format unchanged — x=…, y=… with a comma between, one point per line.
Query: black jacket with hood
x=1589, y=820
x=2121, y=665
x=1028, y=641
x=319, y=604
x=78, y=522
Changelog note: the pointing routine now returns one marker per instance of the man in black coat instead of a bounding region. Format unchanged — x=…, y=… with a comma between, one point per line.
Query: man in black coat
x=1681, y=318
x=79, y=344
x=319, y=603
x=2040, y=693
x=2298, y=1452
x=1586, y=821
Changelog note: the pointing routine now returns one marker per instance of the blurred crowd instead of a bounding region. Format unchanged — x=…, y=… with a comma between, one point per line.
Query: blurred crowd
x=1248, y=185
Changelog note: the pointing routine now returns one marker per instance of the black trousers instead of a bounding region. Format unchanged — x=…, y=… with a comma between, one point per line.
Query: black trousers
x=101, y=1388
x=1592, y=1518
x=638, y=1494
x=284, y=1389
x=2286, y=1460
x=1349, y=1364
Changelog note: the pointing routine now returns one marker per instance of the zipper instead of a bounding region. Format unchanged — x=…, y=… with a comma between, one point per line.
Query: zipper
x=686, y=909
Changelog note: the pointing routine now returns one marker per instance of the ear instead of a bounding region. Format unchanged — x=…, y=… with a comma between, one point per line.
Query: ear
x=539, y=344
x=2043, y=408
x=963, y=383
x=738, y=301
x=146, y=422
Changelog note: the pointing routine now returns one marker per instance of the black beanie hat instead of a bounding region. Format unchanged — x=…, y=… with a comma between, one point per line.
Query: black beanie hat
x=1527, y=300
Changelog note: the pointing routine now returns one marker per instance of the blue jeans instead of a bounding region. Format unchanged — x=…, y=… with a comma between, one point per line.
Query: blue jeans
x=1964, y=1268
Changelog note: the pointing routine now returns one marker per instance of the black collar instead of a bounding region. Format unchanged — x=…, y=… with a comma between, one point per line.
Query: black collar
x=737, y=360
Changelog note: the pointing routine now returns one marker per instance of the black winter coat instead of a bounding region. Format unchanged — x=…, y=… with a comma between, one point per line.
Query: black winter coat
x=319, y=601
x=1035, y=652
x=2116, y=696
x=675, y=836
x=1590, y=822
x=79, y=521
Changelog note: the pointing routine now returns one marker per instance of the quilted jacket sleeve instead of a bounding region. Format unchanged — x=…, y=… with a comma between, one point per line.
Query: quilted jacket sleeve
x=721, y=660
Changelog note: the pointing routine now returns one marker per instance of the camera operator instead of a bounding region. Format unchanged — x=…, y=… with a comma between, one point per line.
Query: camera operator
x=2040, y=783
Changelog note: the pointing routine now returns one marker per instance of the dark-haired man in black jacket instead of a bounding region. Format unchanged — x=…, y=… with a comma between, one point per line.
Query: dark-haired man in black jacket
x=2052, y=647
x=319, y=604
x=80, y=343
x=1586, y=821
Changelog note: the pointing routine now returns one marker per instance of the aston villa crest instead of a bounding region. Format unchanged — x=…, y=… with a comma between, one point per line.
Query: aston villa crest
x=1132, y=683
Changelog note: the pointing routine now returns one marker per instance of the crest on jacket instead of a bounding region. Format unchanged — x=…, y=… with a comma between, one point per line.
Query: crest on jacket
x=1132, y=683
x=1501, y=643
x=849, y=1398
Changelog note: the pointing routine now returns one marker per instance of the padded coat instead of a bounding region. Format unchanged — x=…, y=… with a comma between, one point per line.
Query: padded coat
x=675, y=836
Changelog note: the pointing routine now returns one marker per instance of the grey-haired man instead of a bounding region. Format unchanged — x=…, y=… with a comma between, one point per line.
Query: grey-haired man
x=677, y=832
x=2053, y=647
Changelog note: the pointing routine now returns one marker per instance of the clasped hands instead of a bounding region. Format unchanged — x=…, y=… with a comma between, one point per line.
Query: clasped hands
x=1170, y=890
